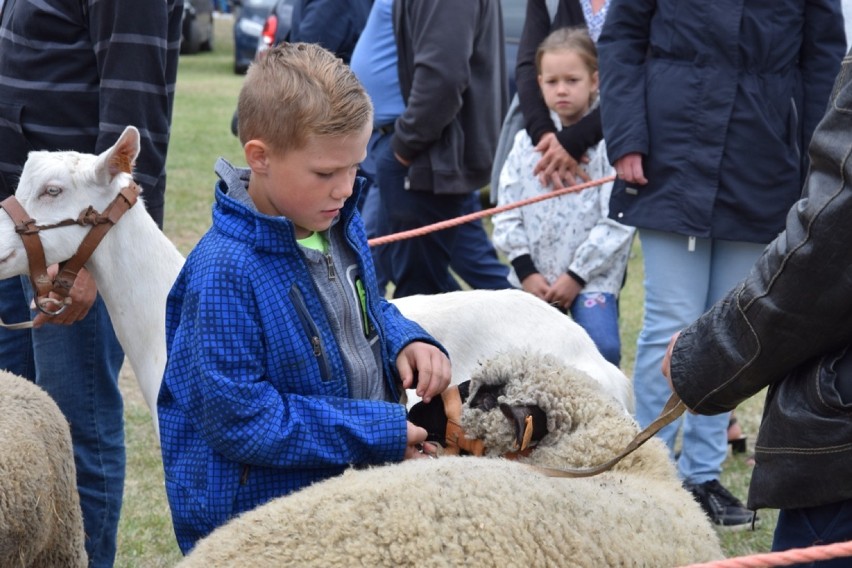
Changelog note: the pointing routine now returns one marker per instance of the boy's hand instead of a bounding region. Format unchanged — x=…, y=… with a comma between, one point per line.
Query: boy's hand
x=430, y=365
x=415, y=442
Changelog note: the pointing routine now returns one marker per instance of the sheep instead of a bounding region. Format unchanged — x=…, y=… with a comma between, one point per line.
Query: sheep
x=475, y=325
x=136, y=264
x=490, y=511
x=41, y=524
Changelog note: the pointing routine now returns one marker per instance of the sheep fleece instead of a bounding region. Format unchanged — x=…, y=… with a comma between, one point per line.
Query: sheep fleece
x=40, y=520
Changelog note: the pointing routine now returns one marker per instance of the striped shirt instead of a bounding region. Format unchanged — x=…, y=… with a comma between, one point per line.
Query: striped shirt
x=75, y=73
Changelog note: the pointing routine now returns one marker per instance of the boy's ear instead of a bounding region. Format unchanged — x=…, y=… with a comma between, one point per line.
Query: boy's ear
x=257, y=156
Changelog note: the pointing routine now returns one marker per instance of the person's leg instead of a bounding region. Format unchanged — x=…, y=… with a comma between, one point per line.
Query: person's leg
x=676, y=283
x=419, y=265
x=800, y=528
x=597, y=313
x=474, y=257
x=78, y=366
x=16, y=346
x=705, y=438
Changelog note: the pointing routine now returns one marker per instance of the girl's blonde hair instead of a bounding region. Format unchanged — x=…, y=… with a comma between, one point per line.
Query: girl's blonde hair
x=299, y=90
x=575, y=39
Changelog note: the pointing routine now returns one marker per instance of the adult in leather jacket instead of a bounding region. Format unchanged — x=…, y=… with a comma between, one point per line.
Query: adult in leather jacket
x=788, y=327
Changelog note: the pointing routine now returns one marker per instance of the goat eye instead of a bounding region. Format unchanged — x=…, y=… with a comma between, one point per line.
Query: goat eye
x=53, y=190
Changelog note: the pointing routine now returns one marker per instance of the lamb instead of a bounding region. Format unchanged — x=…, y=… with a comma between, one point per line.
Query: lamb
x=136, y=264
x=490, y=511
x=42, y=525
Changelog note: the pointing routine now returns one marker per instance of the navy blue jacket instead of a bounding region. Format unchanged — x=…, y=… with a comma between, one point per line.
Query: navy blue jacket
x=334, y=24
x=721, y=98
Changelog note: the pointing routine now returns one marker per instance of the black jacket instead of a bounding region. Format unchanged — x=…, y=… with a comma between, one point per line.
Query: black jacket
x=452, y=73
x=788, y=326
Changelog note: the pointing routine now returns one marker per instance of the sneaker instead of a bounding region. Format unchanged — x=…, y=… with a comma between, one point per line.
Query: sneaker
x=725, y=510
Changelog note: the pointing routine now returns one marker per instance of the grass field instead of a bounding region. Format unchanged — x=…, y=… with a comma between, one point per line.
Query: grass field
x=206, y=97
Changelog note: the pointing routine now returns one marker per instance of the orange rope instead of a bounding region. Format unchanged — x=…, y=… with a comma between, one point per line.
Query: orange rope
x=484, y=213
x=783, y=558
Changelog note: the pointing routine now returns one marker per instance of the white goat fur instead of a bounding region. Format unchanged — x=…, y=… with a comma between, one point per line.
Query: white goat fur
x=490, y=511
x=135, y=266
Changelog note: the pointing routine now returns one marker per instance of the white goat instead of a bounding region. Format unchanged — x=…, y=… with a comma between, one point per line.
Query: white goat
x=135, y=266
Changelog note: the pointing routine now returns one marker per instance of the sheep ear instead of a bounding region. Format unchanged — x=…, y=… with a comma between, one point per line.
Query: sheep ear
x=121, y=157
x=529, y=422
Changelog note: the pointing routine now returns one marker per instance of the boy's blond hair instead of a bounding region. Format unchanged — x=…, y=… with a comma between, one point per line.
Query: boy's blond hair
x=299, y=90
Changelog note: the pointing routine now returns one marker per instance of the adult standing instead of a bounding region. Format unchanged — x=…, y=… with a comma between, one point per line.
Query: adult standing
x=334, y=24
x=707, y=108
x=786, y=326
x=435, y=70
x=73, y=75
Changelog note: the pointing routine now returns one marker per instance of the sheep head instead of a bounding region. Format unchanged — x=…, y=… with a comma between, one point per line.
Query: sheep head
x=583, y=425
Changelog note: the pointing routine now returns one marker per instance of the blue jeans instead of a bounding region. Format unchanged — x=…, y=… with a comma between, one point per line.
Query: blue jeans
x=597, y=313
x=799, y=528
x=472, y=256
x=78, y=366
x=16, y=347
x=680, y=285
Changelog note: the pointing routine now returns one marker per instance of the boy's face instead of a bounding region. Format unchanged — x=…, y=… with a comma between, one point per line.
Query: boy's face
x=309, y=185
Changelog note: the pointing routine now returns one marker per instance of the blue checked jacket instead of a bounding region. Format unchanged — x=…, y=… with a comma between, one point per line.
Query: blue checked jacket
x=255, y=402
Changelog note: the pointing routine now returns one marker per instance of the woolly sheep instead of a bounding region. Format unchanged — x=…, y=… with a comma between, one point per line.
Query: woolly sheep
x=476, y=325
x=40, y=520
x=490, y=511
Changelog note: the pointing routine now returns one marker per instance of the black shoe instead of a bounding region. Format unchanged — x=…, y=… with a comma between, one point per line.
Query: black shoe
x=725, y=510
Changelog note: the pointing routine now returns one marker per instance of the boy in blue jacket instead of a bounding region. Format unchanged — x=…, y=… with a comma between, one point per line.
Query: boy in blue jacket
x=284, y=363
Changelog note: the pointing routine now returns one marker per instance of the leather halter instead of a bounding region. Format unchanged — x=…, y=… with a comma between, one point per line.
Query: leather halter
x=43, y=284
x=456, y=440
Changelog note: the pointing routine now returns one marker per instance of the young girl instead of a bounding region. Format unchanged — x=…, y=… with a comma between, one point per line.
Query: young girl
x=565, y=250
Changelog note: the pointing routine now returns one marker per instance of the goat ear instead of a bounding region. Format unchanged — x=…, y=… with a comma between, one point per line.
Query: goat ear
x=121, y=157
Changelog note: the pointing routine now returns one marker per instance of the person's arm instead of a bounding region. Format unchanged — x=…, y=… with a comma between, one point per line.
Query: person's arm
x=537, y=23
x=442, y=44
x=606, y=242
x=796, y=302
x=823, y=47
x=217, y=374
x=136, y=51
x=582, y=135
x=622, y=49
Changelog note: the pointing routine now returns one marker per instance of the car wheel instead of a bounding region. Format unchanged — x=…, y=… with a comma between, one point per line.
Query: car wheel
x=207, y=44
x=192, y=42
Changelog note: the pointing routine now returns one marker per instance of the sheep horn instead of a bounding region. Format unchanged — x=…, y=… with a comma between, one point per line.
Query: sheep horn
x=530, y=424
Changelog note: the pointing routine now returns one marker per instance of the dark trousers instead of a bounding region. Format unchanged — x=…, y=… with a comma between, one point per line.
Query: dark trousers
x=800, y=528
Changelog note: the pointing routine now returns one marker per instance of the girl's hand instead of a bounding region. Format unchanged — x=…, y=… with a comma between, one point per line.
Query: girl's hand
x=563, y=292
x=536, y=284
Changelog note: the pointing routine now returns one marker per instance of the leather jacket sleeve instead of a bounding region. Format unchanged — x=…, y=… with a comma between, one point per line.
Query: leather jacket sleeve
x=796, y=303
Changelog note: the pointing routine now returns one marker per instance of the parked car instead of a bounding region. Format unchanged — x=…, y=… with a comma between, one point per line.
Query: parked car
x=197, y=26
x=277, y=25
x=249, y=18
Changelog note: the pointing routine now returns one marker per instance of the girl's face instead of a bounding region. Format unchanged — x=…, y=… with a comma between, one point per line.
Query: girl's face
x=567, y=84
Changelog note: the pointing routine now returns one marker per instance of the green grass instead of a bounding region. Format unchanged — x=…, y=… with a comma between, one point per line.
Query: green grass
x=205, y=100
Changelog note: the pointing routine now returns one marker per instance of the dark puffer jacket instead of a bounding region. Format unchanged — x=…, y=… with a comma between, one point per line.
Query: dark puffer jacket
x=720, y=97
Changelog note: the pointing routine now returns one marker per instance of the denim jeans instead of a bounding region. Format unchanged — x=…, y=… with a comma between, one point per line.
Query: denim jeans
x=16, y=346
x=597, y=313
x=680, y=285
x=800, y=528
x=78, y=366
